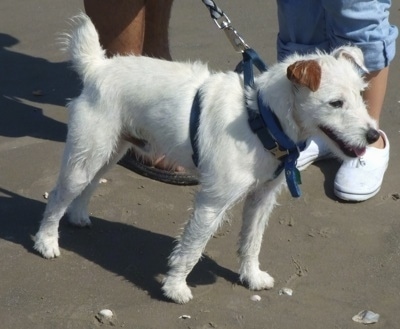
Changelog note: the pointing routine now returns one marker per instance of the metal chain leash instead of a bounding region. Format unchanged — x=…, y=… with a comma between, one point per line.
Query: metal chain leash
x=224, y=23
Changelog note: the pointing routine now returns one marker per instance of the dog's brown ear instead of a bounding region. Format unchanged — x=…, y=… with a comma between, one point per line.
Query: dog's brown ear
x=306, y=73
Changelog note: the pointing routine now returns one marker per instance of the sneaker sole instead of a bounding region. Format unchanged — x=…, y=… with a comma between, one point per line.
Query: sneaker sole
x=355, y=197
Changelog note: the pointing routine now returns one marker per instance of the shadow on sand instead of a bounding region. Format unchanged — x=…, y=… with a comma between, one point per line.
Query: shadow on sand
x=136, y=254
x=26, y=79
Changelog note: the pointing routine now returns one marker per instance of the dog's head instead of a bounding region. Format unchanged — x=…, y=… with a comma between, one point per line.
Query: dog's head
x=327, y=91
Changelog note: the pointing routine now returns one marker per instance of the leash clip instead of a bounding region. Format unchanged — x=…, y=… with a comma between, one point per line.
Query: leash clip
x=223, y=21
x=236, y=39
x=238, y=43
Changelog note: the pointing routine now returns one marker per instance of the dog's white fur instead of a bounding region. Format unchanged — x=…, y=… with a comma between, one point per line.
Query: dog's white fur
x=149, y=100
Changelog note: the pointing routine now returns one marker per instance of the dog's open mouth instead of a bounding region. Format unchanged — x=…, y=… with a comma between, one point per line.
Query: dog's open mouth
x=349, y=150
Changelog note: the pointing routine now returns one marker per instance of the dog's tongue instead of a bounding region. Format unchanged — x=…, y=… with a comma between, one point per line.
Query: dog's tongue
x=359, y=151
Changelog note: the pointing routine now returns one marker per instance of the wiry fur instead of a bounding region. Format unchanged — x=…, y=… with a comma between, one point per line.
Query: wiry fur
x=150, y=100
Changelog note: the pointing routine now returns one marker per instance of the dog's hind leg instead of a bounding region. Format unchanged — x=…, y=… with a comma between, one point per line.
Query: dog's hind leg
x=80, y=166
x=207, y=217
x=77, y=211
x=257, y=209
x=46, y=239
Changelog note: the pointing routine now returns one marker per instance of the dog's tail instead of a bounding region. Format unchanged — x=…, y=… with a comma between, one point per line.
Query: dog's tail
x=83, y=46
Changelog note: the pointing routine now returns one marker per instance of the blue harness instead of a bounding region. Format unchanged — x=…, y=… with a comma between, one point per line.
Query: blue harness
x=263, y=123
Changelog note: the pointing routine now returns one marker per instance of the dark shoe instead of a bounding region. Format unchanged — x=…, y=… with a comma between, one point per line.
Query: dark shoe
x=130, y=162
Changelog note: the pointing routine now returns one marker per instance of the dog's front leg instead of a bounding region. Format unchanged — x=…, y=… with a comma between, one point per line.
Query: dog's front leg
x=207, y=217
x=257, y=209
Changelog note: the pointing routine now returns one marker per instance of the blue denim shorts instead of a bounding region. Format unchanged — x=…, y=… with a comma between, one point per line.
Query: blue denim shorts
x=326, y=24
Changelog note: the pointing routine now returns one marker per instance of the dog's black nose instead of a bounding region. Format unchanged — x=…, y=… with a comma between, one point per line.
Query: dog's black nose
x=372, y=135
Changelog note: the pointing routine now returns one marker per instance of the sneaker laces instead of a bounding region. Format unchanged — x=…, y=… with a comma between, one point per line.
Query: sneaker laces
x=361, y=161
x=356, y=162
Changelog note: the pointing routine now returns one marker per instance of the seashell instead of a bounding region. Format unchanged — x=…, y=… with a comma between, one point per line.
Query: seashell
x=255, y=298
x=106, y=314
x=46, y=195
x=103, y=180
x=185, y=316
x=286, y=291
x=366, y=317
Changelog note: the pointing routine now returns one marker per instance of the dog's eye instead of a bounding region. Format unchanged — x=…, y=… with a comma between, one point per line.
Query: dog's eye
x=336, y=104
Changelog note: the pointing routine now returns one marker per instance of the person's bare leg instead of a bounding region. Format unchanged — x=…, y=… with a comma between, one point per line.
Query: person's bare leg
x=132, y=26
x=120, y=24
x=156, y=42
x=375, y=95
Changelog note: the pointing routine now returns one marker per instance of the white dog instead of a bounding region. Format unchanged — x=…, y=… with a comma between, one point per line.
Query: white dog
x=146, y=103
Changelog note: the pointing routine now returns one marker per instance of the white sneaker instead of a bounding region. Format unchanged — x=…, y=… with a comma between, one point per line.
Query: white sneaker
x=361, y=178
x=315, y=150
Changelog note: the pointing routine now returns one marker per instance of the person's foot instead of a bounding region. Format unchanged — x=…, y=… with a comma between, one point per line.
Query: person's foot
x=361, y=178
x=315, y=150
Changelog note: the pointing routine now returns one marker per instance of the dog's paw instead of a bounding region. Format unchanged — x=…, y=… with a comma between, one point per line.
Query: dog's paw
x=258, y=280
x=47, y=246
x=80, y=221
x=176, y=290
